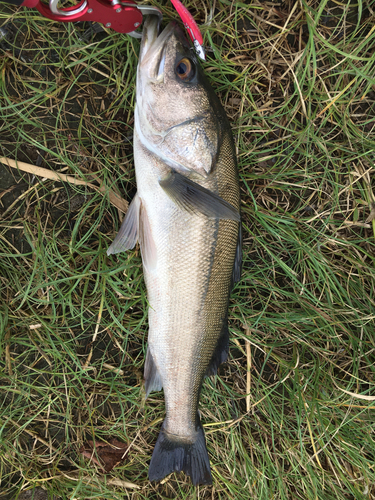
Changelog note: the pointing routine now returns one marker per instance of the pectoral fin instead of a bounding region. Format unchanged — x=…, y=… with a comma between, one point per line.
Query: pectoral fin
x=128, y=235
x=196, y=199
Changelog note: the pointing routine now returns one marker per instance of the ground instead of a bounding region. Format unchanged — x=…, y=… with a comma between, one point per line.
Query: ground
x=291, y=414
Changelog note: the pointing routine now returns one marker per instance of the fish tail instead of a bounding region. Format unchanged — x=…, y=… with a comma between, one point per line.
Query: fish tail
x=175, y=455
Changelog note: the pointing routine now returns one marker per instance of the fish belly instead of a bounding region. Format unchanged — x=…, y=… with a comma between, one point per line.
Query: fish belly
x=176, y=290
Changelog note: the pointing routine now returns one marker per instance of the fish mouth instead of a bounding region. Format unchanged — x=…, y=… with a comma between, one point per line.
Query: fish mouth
x=152, y=40
x=153, y=48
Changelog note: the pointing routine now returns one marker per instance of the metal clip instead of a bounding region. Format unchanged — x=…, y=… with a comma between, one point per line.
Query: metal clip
x=147, y=10
x=63, y=12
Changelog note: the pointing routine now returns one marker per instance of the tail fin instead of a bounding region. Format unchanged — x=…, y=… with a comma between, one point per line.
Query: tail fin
x=175, y=455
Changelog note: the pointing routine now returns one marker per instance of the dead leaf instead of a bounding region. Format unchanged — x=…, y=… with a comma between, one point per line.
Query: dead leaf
x=105, y=455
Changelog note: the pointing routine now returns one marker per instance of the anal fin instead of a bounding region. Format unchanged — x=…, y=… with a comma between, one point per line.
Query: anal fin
x=153, y=380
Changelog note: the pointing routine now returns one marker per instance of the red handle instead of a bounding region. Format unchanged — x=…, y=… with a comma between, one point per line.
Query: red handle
x=123, y=18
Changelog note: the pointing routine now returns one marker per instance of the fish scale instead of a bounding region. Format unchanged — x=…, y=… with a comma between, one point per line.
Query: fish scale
x=186, y=218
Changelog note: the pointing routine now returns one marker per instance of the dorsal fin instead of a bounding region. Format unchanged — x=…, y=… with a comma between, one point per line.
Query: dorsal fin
x=220, y=354
x=237, y=267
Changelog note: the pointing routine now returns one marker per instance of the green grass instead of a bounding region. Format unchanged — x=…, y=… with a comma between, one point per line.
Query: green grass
x=291, y=415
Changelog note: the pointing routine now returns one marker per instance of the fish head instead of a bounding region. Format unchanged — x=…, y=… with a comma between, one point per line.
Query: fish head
x=178, y=116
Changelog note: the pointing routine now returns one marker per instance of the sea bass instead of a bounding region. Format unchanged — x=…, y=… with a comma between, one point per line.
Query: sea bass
x=186, y=219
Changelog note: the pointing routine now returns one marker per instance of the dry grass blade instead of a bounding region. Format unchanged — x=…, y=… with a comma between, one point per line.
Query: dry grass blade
x=356, y=395
x=116, y=200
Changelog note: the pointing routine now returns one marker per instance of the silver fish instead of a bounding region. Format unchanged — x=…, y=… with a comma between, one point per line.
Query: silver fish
x=186, y=218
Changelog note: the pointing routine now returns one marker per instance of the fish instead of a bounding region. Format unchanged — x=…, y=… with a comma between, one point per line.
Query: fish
x=186, y=218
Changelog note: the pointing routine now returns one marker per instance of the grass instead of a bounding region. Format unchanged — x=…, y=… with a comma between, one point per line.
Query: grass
x=291, y=415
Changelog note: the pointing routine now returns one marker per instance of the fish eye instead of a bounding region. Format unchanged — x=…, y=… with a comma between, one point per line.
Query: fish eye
x=185, y=69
